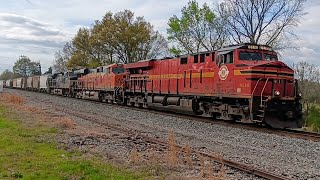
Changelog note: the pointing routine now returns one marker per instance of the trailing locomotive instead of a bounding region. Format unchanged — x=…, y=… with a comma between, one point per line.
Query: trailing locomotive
x=245, y=83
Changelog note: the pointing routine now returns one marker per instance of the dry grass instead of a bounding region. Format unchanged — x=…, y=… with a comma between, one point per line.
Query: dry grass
x=203, y=172
x=14, y=99
x=134, y=157
x=205, y=165
x=172, y=155
x=65, y=123
x=188, y=156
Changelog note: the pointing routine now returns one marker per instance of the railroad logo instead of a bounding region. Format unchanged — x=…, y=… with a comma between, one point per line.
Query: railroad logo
x=223, y=72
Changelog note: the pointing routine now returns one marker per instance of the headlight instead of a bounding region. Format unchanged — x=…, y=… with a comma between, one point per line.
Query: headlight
x=299, y=94
x=277, y=93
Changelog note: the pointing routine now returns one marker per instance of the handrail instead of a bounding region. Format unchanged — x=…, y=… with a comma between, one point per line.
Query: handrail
x=251, y=104
x=255, y=87
x=265, y=84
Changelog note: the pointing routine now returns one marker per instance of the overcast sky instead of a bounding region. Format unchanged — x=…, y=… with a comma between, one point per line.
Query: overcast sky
x=38, y=28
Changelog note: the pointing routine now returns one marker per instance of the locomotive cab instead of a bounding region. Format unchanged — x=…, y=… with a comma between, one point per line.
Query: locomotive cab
x=253, y=73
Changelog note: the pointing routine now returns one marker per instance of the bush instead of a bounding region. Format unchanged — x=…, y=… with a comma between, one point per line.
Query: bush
x=313, y=119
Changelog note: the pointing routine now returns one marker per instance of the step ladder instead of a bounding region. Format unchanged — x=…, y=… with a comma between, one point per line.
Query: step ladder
x=263, y=103
x=261, y=110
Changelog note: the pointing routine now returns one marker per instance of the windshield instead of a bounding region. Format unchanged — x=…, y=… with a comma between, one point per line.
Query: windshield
x=270, y=57
x=117, y=70
x=257, y=56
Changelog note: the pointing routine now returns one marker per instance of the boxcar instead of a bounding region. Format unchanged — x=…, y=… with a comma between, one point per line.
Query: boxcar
x=29, y=83
x=35, y=83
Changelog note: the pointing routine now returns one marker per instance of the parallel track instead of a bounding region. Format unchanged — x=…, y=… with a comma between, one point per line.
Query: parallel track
x=130, y=132
x=292, y=133
x=232, y=164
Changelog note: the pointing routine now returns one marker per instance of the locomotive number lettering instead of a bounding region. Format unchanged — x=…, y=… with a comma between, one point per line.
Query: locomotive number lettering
x=244, y=85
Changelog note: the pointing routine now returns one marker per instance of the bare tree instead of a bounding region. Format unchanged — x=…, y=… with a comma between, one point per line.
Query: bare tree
x=60, y=62
x=308, y=76
x=198, y=29
x=268, y=22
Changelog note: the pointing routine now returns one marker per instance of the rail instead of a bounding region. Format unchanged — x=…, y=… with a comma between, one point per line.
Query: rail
x=243, y=167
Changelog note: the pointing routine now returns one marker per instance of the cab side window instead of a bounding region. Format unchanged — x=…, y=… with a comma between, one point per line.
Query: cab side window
x=225, y=58
x=228, y=58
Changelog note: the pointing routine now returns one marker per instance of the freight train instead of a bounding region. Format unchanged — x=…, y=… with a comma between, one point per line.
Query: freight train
x=244, y=83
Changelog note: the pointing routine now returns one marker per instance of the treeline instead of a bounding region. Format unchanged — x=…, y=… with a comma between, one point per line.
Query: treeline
x=117, y=38
x=124, y=38
x=23, y=67
x=308, y=76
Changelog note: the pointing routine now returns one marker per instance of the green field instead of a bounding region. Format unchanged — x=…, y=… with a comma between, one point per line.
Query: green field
x=24, y=154
x=313, y=119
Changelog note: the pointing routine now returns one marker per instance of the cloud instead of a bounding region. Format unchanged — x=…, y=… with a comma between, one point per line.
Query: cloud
x=38, y=28
x=309, y=37
x=21, y=35
x=16, y=28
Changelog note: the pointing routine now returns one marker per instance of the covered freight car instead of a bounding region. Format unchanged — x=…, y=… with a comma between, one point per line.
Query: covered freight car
x=35, y=83
x=19, y=82
x=14, y=83
x=44, y=83
x=24, y=83
x=29, y=83
x=9, y=83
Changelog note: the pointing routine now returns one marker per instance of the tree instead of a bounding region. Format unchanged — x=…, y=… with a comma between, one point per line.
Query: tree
x=308, y=76
x=7, y=74
x=269, y=22
x=197, y=30
x=61, y=58
x=117, y=38
x=25, y=67
x=129, y=39
x=49, y=71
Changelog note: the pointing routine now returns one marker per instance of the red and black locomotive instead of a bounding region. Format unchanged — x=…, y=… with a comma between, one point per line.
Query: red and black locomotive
x=245, y=83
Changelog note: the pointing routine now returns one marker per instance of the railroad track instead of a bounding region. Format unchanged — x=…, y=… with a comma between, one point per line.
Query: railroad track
x=235, y=165
x=292, y=133
x=133, y=133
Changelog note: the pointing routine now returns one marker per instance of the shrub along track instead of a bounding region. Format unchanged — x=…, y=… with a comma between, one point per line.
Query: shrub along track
x=138, y=138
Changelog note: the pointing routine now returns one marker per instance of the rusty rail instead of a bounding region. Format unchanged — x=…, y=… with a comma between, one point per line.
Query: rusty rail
x=243, y=167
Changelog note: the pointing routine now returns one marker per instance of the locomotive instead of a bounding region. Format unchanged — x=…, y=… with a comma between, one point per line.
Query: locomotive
x=244, y=83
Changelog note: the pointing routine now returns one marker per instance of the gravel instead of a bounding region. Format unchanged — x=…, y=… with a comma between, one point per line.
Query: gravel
x=294, y=158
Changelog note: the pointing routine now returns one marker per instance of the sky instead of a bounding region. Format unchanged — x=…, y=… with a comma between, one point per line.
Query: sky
x=39, y=28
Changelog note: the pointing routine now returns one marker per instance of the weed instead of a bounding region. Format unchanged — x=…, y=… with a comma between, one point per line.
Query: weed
x=14, y=99
x=188, y=156
x=134, y=155
x=202, y=165
x=172, y=150
x=65, y=123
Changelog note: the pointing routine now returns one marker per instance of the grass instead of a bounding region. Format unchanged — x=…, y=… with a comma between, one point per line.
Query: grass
x=313, y=119
x=24, y=155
